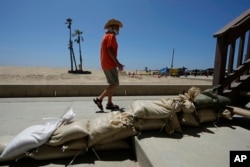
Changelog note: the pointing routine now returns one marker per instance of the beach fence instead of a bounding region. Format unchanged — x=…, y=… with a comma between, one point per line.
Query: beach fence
x=141, y=74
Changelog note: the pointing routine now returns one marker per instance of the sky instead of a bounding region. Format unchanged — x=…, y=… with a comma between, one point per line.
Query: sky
x=34, y=33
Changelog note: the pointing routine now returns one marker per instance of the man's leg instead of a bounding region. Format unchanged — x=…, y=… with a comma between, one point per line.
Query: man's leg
x=113, y=80
x=108, y=92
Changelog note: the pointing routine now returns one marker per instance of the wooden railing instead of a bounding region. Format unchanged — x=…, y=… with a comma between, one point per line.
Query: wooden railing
x=232, y=57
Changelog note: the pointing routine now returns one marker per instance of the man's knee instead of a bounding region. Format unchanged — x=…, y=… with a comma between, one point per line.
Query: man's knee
x=114, y=85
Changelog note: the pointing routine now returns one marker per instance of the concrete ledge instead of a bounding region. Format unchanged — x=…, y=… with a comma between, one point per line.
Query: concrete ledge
x=91, y=90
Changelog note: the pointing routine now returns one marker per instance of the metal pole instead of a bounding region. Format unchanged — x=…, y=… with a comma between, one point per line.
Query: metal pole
x=172, y=60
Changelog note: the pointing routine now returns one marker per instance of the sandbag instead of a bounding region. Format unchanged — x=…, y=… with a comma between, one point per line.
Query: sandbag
x=192, y=93
x=172, y=104
x=149, y=109
x=34, y=136
x=187, y=106
x=107, y=125
x=204, y=101
x=209, y=98
x=173, y=124
x=124, y=134
x=75, y=130
x=29, y=138
x=207, y=115
x=46, y=152
x=188, y=119
x=149, y=124
x=117, y=145
x=4, y=140
x=78, y=144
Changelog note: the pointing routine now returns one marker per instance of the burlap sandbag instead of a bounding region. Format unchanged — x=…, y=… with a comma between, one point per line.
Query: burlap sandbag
x=173, y=124
x=78, y=144
x=192, y=93
x=188, y=119
x=107, y=125
x=187, y=106
x=46, y=152
x=149, y=109
x=124, y=134
x=75, y=130
x=117, y=145
x=172, y=104
x=149, y=124
x=207, y=115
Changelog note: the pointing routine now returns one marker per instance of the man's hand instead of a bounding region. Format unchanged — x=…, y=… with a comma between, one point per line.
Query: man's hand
x=120, y=67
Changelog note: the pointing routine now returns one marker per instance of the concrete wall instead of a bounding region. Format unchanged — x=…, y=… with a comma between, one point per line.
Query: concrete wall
x=91, y=90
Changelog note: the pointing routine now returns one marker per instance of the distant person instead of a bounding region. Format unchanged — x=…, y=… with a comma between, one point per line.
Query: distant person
x=109, y=63
x=195, y=72
x=207, y=73
x=186, y=71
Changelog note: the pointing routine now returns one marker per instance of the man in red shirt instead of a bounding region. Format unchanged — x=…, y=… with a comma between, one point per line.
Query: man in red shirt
x=110, y=63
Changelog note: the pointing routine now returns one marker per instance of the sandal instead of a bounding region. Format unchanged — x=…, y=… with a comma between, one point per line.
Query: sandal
x=98, y=103
x=112, y=106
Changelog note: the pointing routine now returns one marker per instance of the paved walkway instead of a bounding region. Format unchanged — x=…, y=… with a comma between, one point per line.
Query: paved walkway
x=17, y=114
x=204, y=146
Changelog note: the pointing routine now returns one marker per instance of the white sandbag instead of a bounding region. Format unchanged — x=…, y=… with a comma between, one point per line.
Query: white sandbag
x=29, y=138
x=4, y=140
x=107, y=125
x=207, y=115
x=32, y=137
x=149, y=124
x=117, y=145
x=124, y=134
x=75, y=130
x=46, y=152
x=149, y=109
x=188, y=119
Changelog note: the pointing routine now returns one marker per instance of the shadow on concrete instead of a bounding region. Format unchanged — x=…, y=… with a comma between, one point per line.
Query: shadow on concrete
x=87, y=158
x=90, y=157
x=197, y=131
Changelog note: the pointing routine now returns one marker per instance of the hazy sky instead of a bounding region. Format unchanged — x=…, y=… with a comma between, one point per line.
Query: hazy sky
x=34, y=33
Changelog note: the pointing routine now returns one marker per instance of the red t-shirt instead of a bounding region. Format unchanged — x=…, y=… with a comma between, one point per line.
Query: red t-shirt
x=109, y=40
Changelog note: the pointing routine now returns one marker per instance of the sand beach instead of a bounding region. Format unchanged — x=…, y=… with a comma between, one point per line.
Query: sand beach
x=17, y=75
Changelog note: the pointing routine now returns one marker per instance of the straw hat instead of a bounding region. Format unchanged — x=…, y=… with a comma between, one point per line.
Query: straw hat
x=113, y=22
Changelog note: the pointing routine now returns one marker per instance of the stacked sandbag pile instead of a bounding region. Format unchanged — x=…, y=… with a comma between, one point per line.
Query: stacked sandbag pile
x=31, y=138
x=188, y=114
x=67, y=141
x=107, y=132
x=208, y=107
x=110, y=131
x=155, y=115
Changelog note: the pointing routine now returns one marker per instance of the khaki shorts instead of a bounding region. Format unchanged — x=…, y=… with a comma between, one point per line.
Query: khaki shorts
x=112, y=76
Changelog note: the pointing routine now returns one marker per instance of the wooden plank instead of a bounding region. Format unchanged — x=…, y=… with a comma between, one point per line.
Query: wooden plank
x=245, y=93
x=240, y=111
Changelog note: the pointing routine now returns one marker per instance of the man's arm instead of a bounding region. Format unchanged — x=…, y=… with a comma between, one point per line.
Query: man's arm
x=113, y=56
